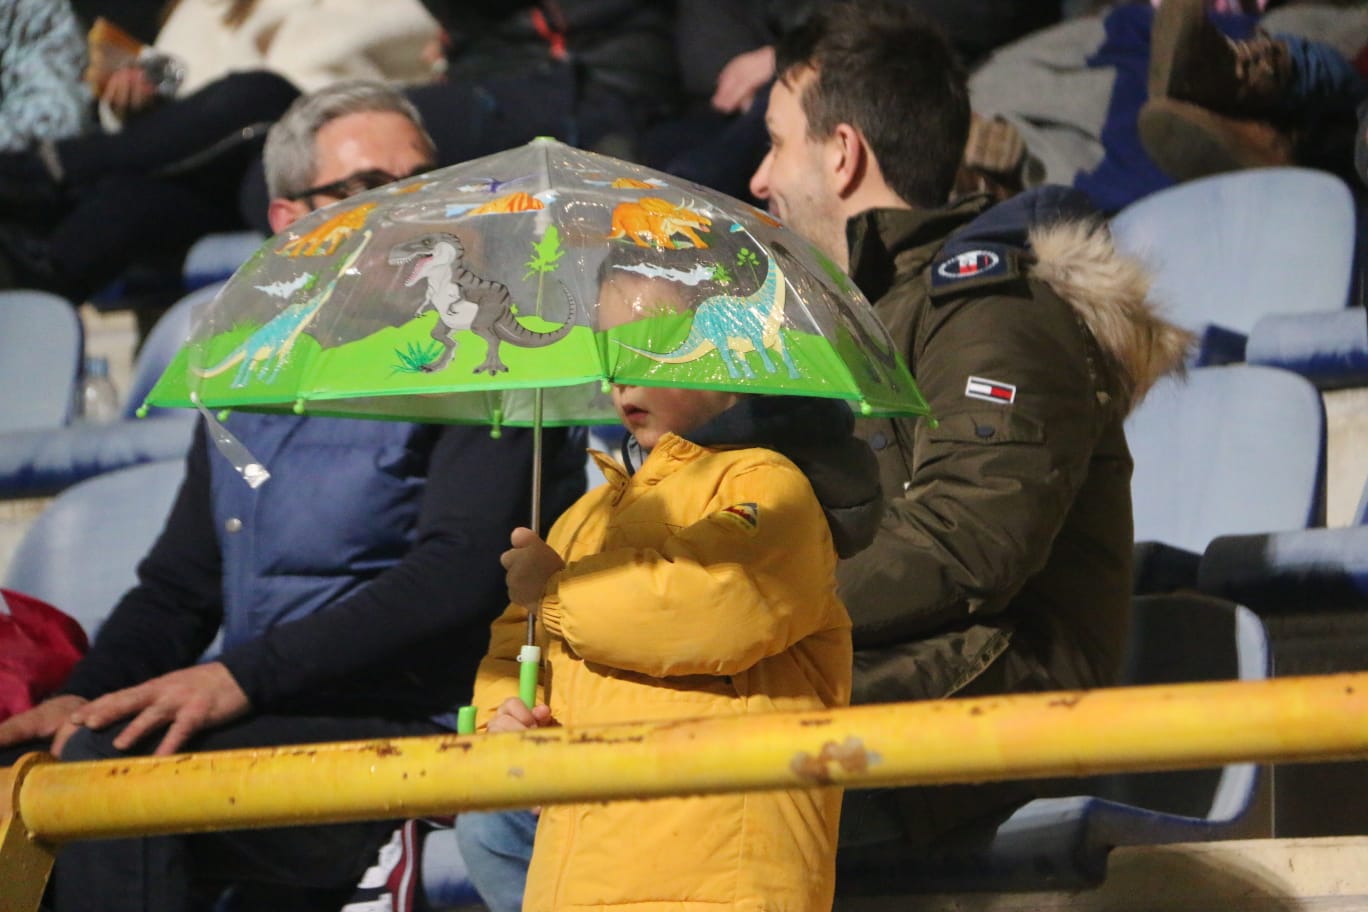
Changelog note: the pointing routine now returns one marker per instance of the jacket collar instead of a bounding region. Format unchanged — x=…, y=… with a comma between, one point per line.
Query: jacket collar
x=886, y=242
x=817, y=435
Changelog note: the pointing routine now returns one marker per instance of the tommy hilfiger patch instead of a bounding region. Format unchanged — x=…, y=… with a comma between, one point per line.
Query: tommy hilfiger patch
x=745, y=515
x=985, y=264
x=970, y=265
x=990, y=391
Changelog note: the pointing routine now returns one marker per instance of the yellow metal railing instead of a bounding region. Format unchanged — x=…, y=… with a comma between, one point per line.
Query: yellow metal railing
x=1023, y=736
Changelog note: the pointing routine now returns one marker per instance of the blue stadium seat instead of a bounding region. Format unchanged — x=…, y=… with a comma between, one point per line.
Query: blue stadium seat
x=1330, y=348
x=1231, y=249
x=215, y=257
x=36, y=463
x=1228, y=450
x=1063, y=843
x=81, y=553
x=159, y=348
x=1294, y=570
x=41, y=347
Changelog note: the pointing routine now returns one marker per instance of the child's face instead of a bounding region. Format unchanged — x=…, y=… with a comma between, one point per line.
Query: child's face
x=649, y=412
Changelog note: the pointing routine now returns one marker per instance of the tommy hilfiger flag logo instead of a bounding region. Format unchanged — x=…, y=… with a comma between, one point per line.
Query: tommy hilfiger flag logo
x=990, y=390
x=967, y=265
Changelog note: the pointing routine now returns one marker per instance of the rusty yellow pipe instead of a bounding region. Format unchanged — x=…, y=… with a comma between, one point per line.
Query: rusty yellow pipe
x=1024, y=736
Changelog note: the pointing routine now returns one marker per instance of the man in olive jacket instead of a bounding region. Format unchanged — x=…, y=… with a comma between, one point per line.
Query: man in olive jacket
x=1004, y=559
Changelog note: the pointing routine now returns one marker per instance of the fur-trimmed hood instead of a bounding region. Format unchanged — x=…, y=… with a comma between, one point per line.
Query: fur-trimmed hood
x=1070, y=248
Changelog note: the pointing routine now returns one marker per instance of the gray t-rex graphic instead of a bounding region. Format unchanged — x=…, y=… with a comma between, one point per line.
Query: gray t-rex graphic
x=463, y=300
x=278, y=335
x=731, y=324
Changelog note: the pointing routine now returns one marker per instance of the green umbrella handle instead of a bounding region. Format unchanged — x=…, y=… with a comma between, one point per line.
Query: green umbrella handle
x=465, y=720
x=529, y=663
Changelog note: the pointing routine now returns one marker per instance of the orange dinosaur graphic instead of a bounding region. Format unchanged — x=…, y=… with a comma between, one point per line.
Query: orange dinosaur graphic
x=324, y=239
x=653, y=222
x=510, y=202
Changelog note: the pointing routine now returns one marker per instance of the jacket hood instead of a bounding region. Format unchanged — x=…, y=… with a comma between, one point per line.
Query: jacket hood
x=816, y=435
x=1072, y=252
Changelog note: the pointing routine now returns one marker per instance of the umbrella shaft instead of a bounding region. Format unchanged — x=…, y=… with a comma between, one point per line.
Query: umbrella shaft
x=536, y=493
x=536, y=460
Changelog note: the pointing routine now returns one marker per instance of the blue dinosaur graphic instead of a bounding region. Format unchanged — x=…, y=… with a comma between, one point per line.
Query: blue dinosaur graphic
x=735, y=324
x=278, y=335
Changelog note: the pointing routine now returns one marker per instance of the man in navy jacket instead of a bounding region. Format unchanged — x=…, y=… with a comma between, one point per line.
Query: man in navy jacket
x=353, y=591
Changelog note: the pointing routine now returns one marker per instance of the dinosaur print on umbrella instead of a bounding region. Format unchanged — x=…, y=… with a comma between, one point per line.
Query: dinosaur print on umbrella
x=464, y=300
x=735, y=324
x=277, y=337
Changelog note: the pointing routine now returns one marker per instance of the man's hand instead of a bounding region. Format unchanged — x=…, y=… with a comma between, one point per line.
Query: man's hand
x=185, y=701
x=741, y=78
x=530, y=563
x=513, y=715
x=41, y=721
x=128, y=91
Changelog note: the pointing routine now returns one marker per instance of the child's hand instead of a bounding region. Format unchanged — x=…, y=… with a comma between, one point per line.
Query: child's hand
x=514, y=715
x=530, y=563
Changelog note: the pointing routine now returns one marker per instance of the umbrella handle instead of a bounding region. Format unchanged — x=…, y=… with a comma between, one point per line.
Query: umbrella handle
x=529, y=664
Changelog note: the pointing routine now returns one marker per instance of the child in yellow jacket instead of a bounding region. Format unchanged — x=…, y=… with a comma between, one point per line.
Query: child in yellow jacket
x=698, y=581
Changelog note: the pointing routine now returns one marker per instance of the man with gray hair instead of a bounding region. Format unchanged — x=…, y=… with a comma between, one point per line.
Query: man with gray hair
x=354, y=590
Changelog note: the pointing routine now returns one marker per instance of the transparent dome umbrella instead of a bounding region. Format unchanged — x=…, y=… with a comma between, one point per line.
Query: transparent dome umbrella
x=513, y=289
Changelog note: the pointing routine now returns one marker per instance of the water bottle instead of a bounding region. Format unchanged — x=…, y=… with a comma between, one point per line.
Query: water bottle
x=99, y=399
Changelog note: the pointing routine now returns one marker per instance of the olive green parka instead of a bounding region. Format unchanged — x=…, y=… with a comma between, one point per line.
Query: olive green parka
x=1007, y=539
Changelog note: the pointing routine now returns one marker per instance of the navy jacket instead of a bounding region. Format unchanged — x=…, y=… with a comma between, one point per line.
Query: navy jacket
x=359, y=580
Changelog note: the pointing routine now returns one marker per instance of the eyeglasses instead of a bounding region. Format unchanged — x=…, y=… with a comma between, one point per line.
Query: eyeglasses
x=356, y=183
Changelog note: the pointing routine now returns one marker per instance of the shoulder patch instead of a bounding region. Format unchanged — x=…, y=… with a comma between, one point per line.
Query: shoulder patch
x=960, y=269
x=744, y=515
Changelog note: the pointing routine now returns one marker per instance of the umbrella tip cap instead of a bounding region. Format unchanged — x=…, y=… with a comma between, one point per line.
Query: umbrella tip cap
x=142, y=411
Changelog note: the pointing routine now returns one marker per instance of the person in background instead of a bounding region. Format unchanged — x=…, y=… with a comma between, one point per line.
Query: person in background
x=353, y=590
x=42, y=57
x=591, y=73
x=1221, y=104
x=185, y=120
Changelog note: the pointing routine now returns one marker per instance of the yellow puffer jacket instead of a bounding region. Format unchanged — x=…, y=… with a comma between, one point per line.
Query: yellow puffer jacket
x=703, y=585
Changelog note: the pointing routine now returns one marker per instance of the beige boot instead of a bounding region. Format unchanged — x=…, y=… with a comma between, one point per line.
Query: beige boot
x=1188, y=141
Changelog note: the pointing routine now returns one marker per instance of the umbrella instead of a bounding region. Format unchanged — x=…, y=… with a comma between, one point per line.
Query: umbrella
x=484, y=279
x=511, y=290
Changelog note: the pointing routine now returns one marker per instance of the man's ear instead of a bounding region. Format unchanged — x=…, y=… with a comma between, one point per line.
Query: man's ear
x=281, y=213
x=850, y=158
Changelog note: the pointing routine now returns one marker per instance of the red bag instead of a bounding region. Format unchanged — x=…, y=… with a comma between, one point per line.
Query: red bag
x=38, y=647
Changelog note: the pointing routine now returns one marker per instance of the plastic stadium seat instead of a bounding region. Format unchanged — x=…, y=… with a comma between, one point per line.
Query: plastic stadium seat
x=1296, y=570
x=215, y=257
x=41, y=346
x=160, y=347
x=1330, y=349
x=1228, y=450
x=81, y=553
x=1063, y=843
x=1230, y=249
x=37, y=463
